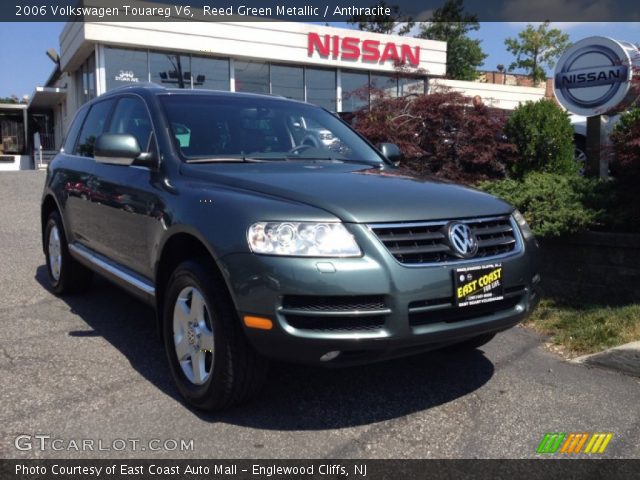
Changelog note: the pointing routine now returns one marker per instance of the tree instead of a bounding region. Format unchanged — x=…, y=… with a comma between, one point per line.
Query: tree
x=451, y=24
x=393, y=23
x=441, y=135
x=535, y=48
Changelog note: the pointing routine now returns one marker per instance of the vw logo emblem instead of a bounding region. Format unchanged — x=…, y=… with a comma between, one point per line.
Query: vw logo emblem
x=462, y=241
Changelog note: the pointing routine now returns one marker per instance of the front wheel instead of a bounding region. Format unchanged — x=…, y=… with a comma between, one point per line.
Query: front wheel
x=211, y=361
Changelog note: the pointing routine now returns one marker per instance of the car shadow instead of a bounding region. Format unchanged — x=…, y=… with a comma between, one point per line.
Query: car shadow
x=294, y=397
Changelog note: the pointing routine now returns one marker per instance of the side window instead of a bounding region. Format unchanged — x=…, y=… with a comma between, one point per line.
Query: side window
x=74, y=129
x=93, y=127
x=131, y=116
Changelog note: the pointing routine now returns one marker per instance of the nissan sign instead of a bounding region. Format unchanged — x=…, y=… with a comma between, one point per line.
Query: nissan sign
x=598, y=75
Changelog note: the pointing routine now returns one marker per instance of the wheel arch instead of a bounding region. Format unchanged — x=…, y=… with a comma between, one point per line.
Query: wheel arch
x=180, y=246
x=49, y=204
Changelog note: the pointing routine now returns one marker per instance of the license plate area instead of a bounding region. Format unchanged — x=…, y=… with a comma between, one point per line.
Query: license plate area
x=477, y=285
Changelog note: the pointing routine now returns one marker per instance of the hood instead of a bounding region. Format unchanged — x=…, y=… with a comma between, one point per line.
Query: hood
x=353, y=193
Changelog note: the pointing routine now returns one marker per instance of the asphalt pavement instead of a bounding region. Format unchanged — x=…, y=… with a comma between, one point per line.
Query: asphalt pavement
x=91, y=367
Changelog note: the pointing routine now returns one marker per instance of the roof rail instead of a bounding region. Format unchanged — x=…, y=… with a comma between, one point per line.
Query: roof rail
x=138, y=85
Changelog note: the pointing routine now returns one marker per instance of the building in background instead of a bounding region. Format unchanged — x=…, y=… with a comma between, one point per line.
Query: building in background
x=327, y=66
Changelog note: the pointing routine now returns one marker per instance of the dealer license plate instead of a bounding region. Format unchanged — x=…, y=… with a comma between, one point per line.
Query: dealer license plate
x=478, y=284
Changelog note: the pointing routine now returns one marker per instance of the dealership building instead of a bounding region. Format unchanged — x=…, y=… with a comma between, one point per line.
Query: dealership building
x=326, y=66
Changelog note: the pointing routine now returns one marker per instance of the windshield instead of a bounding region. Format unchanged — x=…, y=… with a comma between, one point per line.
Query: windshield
x=235, y=127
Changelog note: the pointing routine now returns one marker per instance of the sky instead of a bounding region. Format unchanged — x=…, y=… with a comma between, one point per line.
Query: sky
x=25, y=65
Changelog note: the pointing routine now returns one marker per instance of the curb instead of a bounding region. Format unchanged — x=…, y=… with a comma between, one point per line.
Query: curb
x=625, y=359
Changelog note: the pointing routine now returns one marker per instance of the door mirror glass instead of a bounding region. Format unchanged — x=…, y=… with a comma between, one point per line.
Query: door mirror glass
x=391, y=152
x=116, y=149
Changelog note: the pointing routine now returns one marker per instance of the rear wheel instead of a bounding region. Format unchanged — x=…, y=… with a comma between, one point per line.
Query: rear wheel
x=211, y=361
x=472, y=343
x=65, y=274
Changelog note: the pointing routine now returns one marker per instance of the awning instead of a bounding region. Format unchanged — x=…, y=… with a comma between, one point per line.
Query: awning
x=47, y=97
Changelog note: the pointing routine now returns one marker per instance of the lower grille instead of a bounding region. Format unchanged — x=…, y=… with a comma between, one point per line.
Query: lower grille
x=453, y=314
x=362, y=313
x=336, y=324
x=333, y=304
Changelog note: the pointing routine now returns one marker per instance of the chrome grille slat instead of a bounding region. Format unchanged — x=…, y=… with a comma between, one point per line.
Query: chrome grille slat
x=425, y=243
x=494, y=242
x=418, y=249
x=392, y=237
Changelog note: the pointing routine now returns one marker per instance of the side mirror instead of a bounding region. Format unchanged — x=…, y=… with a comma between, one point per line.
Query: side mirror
x=392, y=152
x=116, y=149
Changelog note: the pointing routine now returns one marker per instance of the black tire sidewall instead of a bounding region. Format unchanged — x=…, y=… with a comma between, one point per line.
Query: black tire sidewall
x=191, y=274
x=54, y=220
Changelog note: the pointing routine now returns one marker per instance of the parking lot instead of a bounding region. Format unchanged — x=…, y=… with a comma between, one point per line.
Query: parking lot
x=91, y=367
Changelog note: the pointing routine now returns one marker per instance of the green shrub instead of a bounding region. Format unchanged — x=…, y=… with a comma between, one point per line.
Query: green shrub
x=553, y=204
x=543, y=136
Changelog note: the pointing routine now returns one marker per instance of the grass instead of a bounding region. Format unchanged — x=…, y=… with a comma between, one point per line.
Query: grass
x=582, y=329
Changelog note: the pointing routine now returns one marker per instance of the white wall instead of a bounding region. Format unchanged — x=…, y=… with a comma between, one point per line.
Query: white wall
x=493, y=95
x=20, y=162
x=271, y=41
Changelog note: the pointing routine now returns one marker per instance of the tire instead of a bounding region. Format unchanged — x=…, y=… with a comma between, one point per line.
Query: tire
x=471, y=343
x=65, y=274
x=218, y=367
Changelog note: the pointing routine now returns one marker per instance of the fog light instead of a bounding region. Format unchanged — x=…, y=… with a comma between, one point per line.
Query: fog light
x=327, y=357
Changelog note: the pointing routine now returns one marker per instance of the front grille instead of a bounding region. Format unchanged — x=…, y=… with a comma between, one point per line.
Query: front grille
x=453, y=314
x=426, y=243
x=336, y=324
x=333, y=304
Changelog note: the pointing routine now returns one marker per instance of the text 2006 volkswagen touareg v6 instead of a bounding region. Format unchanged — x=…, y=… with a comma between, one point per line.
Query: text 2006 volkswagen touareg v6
x=261, y=227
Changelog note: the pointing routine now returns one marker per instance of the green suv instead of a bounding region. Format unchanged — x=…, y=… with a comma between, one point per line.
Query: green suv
x=264, y=228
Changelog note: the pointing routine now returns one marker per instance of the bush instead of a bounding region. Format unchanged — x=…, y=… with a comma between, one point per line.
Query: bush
x=440, y=134
x=553, y=204
x=626, y=145
x=543, y=137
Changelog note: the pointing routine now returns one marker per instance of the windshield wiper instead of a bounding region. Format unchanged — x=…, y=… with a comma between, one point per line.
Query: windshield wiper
x=334, y=159
x=242, y=159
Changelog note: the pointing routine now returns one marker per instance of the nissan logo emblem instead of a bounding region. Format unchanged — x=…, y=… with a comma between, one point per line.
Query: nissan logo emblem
x=462, y=241
x=593, y=76
x=608, y=73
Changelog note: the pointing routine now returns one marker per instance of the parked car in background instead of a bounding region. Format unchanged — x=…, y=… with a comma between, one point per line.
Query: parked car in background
x=252, y=244
x=579, y=124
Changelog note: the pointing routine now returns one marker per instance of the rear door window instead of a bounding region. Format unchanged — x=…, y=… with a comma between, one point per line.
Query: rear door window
x=72, y=134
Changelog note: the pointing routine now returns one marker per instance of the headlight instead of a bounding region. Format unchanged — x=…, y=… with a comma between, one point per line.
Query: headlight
x=524, y=226
x=302, y=239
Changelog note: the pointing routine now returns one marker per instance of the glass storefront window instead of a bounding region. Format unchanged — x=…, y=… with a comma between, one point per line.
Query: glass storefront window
x=12, y=133
x=386, y=83
x=171, y=70
x=251, y=76
x=85, y=80
x=321, y=87
x=210, y=73
x=409, y=86
x=124, y=67
x=287, y=81
x=355, y=90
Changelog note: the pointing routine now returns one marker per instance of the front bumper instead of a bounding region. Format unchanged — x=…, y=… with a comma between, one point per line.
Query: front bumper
x=368, y=308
